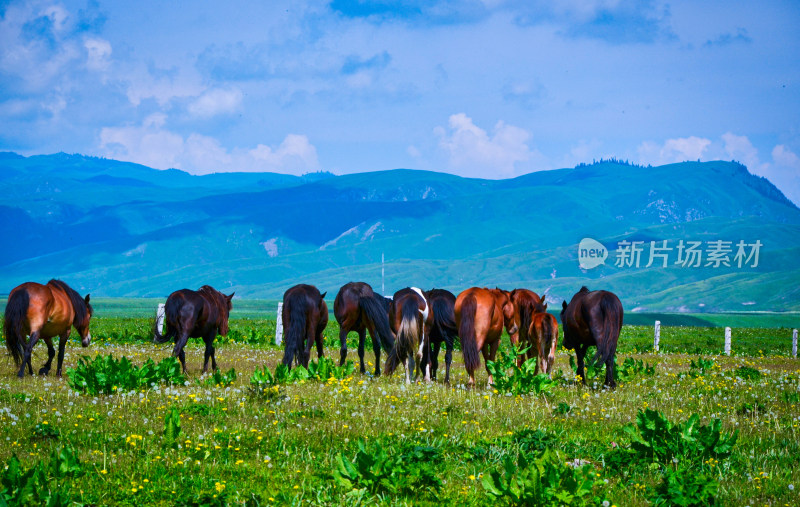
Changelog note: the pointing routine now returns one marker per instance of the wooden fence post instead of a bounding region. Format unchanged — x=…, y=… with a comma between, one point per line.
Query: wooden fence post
x=657, y=335
x=279, y=325
x=794, y=342
x=727, y=341
x=160, y=313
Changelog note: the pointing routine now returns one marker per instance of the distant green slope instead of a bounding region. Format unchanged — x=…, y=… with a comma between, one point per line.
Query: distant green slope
x=119, y=229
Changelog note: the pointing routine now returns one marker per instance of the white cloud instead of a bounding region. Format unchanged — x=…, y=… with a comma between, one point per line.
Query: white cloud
x=98, y=53
x=740, y=148
x=216, y=101
x=471, y=150
x=152, y=145
x=673, y=150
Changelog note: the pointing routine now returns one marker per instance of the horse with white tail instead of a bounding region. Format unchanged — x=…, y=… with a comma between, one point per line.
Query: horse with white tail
x=411, y=319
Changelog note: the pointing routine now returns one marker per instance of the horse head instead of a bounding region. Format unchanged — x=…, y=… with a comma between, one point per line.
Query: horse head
x=224, y=315
x=83, y=325
x=510, y=312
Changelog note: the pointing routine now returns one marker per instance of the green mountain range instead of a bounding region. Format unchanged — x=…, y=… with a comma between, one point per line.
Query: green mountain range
x=121, y=229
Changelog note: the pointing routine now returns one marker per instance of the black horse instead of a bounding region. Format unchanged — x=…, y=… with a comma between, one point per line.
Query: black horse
x=195, y=314
x=443, y=329
x=305, y=316
x=593, y=318
x=357, y=308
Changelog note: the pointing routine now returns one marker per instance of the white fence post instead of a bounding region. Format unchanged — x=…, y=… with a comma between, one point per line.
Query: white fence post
x=279, y=326
x=160, y=313
x=657, y=335
x=794, y=342
x=727, y=341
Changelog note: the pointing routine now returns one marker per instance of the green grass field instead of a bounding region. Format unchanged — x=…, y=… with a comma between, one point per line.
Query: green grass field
x=360, y=440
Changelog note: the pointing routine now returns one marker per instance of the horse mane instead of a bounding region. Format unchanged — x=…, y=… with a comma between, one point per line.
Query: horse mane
x=79, y=305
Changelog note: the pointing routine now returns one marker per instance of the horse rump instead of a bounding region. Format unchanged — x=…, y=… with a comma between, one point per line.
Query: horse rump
x=14, y=326
x=612, y=314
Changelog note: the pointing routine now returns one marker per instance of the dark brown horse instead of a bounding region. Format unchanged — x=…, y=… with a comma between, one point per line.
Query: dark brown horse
x=195, y=314
x=305, y=316
x=593, y=318
x=526, y=303
x=35, y=311
x=357, y=308
x=443, y=328
x=481, y=314
x=411, y=318
x=543, y=334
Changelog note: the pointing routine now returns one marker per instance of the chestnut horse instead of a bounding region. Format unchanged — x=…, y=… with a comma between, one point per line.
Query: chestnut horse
x=357, y=308
x=543, y=334
x=481, y=314
x=593, y=318
x=526, y=303
x=305, y=316
x=195, y=314
x=443, y=328
x=411, y=318
x=35, y=311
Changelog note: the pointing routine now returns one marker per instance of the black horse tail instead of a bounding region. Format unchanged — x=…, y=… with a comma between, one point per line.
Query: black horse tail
x=408, y=338
x=15, y=316
x=466, y=332
x=611, y=309
x=172, y=310
x=373, y=308
x=444, y=319
x=294, y=314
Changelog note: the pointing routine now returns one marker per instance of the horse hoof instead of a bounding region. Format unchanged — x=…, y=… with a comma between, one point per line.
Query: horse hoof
x=44, y=371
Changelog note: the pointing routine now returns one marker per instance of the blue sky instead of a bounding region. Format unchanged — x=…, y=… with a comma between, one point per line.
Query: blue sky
x=487, y=88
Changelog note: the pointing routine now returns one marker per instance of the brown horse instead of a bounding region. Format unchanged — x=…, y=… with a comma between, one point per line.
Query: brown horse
x=411, y=318
x=443, y=328
x=195, y=314
x=526, y=303
x=44, y=311
x=357, y=308
x=305, y=316
x=481, y=314
x=543, y=333
x=593, y=318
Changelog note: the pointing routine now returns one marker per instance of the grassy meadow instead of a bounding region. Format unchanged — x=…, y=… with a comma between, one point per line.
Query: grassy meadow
x=359, y=440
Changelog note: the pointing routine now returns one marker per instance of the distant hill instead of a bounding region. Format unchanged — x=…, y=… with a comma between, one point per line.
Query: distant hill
x=120, y=229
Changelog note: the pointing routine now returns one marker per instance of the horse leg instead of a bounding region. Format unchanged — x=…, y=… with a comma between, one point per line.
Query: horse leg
x=51, y=352
x=362, y=338
x=376, y=348
x=343, y=342
x=209, y=352
x=182, y=359
x=436, y=346
x=610, y=382
x=320, y=342
x=62, y=343
x=448, y=356
x=26, y=357
x=580, y=353
x=486, y=358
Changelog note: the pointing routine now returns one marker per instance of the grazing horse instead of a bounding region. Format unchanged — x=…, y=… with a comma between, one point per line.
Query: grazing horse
x=411, y=318
x=305, y=316
x=443, y=328
x=593, y=318
x=543, y=334
x=357, y=308
x=481, y=314
x=195, y=314
x=526, y=303
x=44, y=311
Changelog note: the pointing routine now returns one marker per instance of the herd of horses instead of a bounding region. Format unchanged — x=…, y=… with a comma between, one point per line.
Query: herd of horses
x=409, y=327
